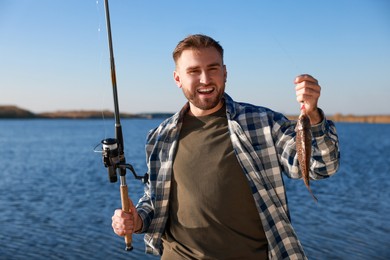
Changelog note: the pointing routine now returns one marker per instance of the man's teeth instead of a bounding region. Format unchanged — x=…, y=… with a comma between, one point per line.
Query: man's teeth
x=205, y=90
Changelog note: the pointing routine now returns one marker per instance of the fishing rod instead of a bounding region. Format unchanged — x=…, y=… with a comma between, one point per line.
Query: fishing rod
x=113, y=148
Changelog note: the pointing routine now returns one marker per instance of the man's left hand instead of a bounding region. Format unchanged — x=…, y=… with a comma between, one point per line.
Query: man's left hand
x=308, y=92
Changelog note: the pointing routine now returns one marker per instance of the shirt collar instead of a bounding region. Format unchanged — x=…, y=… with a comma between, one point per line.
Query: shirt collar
x=230, y=108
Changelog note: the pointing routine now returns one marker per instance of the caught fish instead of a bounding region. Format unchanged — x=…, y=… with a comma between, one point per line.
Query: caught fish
x=303, y=146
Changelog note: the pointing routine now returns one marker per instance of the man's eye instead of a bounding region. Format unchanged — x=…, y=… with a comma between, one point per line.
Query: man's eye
x=192, y=72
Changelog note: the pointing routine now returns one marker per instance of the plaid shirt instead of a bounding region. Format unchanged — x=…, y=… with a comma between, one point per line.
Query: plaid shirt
x=264, y=143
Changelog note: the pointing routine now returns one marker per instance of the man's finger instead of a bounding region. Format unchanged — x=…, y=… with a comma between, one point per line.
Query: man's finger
x=305, y=77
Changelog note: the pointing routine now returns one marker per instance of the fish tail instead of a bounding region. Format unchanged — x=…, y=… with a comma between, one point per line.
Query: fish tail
x=311, y=192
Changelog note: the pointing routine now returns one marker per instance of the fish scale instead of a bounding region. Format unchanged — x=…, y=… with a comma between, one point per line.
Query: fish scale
x=303, y=146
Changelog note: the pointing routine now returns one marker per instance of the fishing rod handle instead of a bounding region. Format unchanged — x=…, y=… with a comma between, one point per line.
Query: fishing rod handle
x=126, y=208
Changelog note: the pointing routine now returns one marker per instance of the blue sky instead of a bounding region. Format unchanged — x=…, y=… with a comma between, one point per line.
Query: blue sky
x=54, y=54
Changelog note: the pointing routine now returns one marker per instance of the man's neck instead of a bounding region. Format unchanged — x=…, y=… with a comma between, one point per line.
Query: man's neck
x=194, y=111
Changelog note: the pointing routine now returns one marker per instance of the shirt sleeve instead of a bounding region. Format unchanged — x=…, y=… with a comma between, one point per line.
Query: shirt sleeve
x=145, y=210
x=145, y=206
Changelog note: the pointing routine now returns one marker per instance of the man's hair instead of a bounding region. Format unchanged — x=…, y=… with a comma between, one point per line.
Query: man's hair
x=196, y=42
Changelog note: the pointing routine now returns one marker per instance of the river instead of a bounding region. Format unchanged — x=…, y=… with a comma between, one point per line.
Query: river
x=56, y=201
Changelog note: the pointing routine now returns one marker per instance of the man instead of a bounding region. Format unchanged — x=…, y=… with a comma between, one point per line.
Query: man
x=216, y=189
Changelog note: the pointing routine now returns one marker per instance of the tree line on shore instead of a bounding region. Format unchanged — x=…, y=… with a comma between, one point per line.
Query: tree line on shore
x=14, y=112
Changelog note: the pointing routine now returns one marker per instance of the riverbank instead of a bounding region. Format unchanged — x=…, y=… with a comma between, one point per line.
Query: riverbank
x=14, y=112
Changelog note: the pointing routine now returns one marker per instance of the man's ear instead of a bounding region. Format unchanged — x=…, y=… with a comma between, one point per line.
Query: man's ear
x=176, y=77
x=225, y=72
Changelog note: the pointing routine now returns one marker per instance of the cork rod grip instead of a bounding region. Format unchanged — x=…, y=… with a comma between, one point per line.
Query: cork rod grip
x=126, y=208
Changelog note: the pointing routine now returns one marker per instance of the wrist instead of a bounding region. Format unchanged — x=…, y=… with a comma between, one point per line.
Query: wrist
x=138, y=224
x=315, y=116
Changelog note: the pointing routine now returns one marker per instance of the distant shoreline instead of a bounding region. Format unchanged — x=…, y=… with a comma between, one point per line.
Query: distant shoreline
x=14, y=112
x=369, y=119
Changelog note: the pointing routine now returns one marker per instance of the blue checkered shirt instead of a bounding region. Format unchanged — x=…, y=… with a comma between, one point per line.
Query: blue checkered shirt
x=264, y=143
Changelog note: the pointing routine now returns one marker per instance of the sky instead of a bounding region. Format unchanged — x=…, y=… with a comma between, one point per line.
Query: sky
x=54, y=54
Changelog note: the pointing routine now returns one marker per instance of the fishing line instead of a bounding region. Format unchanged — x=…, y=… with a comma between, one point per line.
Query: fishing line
x=100, y=13
x=294, y=64
x=287, y=54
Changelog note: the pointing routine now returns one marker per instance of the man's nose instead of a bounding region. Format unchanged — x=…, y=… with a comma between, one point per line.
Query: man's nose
x=204, y=77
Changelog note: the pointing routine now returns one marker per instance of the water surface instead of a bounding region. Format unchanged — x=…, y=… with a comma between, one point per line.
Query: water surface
x=56, y=201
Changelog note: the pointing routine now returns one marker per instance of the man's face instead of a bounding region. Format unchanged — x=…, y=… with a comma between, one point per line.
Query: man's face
x=201, y=75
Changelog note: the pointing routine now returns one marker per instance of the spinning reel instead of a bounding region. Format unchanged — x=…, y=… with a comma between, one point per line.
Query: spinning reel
x=113, y=159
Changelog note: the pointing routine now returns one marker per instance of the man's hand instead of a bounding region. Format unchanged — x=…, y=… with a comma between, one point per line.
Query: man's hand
x=124, y=223
x=308, y=92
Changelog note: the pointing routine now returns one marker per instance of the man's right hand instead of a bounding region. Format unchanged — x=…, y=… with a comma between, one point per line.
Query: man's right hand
x=124, y=223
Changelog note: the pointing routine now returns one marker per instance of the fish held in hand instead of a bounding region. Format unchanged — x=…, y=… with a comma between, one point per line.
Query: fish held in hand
x=303, y=146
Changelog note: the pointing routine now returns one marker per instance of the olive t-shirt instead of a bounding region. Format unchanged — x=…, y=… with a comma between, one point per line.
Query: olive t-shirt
x=212, y=213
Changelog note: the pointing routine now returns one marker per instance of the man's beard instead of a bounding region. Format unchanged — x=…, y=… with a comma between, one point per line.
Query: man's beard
x=205, y=103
